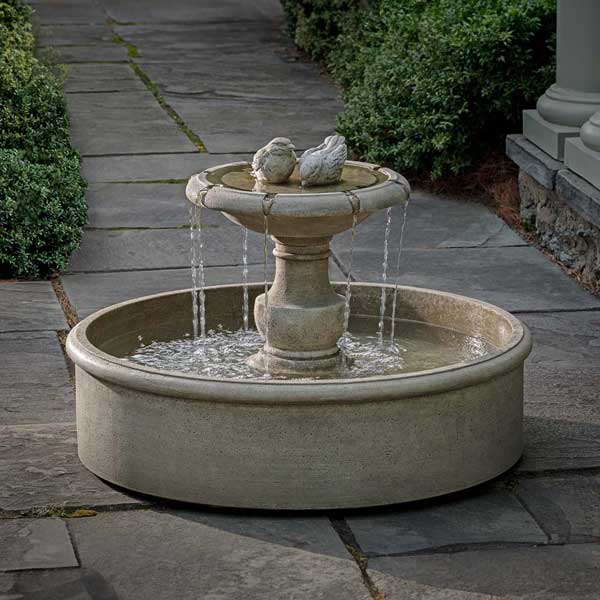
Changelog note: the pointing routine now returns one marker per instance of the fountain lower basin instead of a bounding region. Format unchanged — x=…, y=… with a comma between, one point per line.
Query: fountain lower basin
x=302, y=444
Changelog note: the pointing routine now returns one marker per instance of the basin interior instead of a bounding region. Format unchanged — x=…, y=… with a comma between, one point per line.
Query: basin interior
x=239, y=176
x=166, y=317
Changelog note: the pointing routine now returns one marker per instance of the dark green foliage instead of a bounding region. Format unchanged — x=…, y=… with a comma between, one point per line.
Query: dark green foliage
x=435, y=84
x=42, y=206
x=316, y=24
x=41, y=213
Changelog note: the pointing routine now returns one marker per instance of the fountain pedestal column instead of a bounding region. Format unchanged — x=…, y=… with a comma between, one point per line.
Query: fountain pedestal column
x=569, y=103
x=303, y=318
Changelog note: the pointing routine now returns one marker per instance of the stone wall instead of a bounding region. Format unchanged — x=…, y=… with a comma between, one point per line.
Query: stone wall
x=560, y=207
x=560, y=229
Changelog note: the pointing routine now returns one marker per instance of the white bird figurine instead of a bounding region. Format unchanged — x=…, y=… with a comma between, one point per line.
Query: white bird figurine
x=323, y=165
x=275, y=161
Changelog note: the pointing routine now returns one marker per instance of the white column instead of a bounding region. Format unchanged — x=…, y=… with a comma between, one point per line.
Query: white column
x=569, y=103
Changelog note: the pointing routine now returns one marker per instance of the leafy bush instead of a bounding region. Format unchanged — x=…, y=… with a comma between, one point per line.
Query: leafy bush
x=42, y=206
x=41, y=213
x=316, y=24
x=434, y=84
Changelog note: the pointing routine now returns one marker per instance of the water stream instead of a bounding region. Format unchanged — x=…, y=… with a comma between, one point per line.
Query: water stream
x=349, y=277
x=386, y=240
x=194, y=263
x=266, y=272
x=245, y=306
x=197, y=263
x=397, y=280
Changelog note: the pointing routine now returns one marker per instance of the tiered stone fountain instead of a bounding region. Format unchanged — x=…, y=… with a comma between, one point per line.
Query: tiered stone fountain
x=296, y=441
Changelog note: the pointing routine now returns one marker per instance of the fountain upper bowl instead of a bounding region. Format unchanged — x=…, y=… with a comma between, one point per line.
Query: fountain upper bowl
x=294, y=211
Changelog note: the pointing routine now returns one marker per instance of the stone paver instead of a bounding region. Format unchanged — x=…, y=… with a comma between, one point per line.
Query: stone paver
x=564, y=340
x=212, y=121
x=39, y=469
x=104, y=53
x=242, y=42
x=102, y=78
x=35, y=544
x=567, y=507
x=59, y=584
x=130, y=249
x=157, y=11
x=123, y=123
x=90, y=292
x=313, y=534
x=555, y=444
x=514, y=278
x=72, y=12
x=29, y=305
x=67, y=35
x=473, y=518
x=561, y=391
x=395, y=588
x=543, y=573
x=139, y=551
x=216, y=78
x=35, y=381
x=137, y=205
x=431, y=222
x=153, y=167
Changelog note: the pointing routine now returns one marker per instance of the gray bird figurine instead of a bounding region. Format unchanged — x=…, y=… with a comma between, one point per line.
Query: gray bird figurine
x=275, y=161
x=323, y=165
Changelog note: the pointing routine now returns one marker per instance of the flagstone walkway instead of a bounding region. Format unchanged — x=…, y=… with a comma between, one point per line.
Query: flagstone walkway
x=159, y=90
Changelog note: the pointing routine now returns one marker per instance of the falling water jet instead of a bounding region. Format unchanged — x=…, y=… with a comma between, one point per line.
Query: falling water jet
x=201, y=273
x=266, y=273
x=194, y=264
x=198, y=282
x=397, y=281
x=386, y=239
x=348, y=295
x=245, y=307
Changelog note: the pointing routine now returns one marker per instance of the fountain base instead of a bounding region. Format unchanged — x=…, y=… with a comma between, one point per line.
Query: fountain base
x=297, y=444
x=296, y=365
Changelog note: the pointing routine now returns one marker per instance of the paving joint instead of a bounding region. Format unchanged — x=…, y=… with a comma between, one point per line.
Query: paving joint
x=64, y=301
x=457, y=548
x=521, y=501
x=559, y=472
x=143, y=269
x=346, y=535
x=74, y=511
x=117, y=154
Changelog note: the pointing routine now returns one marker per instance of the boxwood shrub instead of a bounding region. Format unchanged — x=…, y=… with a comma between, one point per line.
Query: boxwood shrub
x=430, y=85
x=42, y=206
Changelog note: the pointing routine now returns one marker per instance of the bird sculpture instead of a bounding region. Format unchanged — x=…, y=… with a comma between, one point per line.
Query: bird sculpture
x=323, y=165
x=275, y=161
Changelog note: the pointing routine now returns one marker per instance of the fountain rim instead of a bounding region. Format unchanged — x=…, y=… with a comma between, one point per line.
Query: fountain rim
x=366, y=200
x=377, y=388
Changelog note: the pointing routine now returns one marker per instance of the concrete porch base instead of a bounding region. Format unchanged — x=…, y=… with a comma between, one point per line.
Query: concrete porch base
x=583, y=161
x=550, y=137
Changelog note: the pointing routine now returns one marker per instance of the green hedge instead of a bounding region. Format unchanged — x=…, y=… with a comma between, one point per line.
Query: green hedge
x=42, y=205
x=430, y=85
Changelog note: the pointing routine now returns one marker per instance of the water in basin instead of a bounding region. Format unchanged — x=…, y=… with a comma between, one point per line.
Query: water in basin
x=240, y=178
x=223, y=353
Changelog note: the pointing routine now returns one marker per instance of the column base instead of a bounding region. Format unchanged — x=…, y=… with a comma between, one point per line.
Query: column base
x=548, y=136
x=298, y=364
x=583, y=161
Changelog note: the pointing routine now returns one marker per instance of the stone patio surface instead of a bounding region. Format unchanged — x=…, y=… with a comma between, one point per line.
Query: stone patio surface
x=157, y=91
